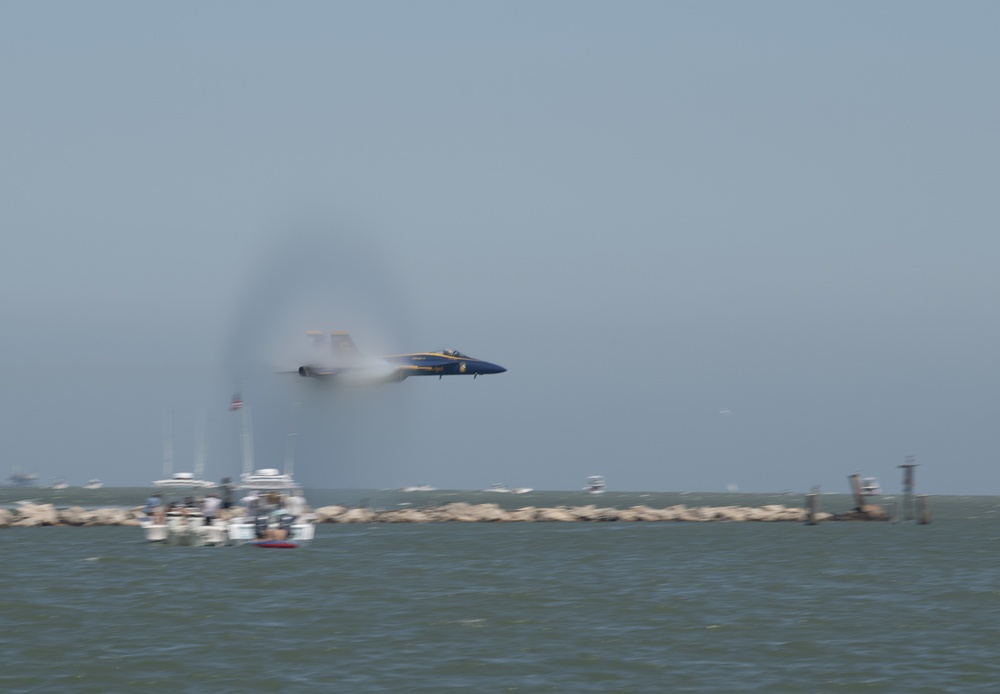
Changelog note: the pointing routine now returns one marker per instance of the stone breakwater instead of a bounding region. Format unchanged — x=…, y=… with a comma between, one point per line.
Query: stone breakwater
x=34, y=515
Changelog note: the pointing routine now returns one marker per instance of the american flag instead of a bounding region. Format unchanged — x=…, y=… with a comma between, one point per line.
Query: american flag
x=236, y=403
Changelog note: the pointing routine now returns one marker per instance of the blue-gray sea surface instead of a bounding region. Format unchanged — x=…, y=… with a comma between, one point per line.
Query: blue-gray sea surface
x=543, y=607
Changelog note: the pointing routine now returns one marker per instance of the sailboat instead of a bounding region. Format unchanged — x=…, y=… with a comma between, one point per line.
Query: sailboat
x=184, y=480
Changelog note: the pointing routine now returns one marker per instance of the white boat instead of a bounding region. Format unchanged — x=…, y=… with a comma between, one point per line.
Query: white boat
x=504, y=489
x=419, y=488
x=93, y=484
x=870, y=486
x=266, y=479
x=186, y=527
x=22, y=479
x=183, y=480
x=595, y=485
x=58, y=485
x=265, y=482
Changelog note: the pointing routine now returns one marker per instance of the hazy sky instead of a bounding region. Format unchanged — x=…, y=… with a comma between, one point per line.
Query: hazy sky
x=713, y=242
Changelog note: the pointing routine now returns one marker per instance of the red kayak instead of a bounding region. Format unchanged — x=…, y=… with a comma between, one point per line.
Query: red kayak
x=277, y=544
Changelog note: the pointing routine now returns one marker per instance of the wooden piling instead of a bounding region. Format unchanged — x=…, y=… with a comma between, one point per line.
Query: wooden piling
x=923, y=510
x=893, y=511
x=908, y=488
x=812, y=504
x=859, y=496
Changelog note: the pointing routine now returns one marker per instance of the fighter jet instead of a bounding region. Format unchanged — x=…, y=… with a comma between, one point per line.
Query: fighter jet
x=347, y=365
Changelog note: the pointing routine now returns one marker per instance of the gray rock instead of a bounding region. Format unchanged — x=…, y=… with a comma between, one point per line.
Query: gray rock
x=34, y=515
x=328, y=514
x=355, y=515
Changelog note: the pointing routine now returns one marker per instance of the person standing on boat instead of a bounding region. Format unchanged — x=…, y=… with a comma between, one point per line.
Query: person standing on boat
x=295, y=505
x=210, y=507
x=278, y=519
x=227, y=493
x=154, y=507
x=251, y=502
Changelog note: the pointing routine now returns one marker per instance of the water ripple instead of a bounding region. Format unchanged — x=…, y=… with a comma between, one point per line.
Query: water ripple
x=529, y=608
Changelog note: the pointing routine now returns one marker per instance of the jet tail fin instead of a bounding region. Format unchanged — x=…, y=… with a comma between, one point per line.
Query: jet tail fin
x=342, y=344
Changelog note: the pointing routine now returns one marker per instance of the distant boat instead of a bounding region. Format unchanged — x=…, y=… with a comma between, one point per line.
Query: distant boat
x=93, y=484
x=595, y=485
x=185, y=480
x=22, y=479
x=504, y=489
x=419, y=488
x=870, y=486
x=267, y=479
x=58, y=484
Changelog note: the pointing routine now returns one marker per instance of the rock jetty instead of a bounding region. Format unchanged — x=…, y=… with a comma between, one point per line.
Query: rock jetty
x=35, y=515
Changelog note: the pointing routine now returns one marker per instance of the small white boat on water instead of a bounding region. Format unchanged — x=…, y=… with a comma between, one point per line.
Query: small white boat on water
x=22, y=479
x=184, y=480
x=595, y=485
x=93, y=484
x=504, y=489
x=185, y=527
x=266, y=479
x=419, y=488
x=870, y=486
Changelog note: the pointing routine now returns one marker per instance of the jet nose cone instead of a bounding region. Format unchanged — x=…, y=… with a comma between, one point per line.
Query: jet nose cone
x=488, y=368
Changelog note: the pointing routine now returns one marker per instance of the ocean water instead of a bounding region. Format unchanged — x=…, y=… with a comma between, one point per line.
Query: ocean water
x=544, y=607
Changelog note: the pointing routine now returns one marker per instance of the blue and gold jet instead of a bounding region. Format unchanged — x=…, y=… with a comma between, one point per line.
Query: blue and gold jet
x=349, y=366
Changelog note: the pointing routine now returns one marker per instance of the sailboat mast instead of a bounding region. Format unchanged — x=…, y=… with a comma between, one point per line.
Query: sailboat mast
x=290, y=447
x=290, y=454
x=168, y=446
x=199, y=462
x=247, y=442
